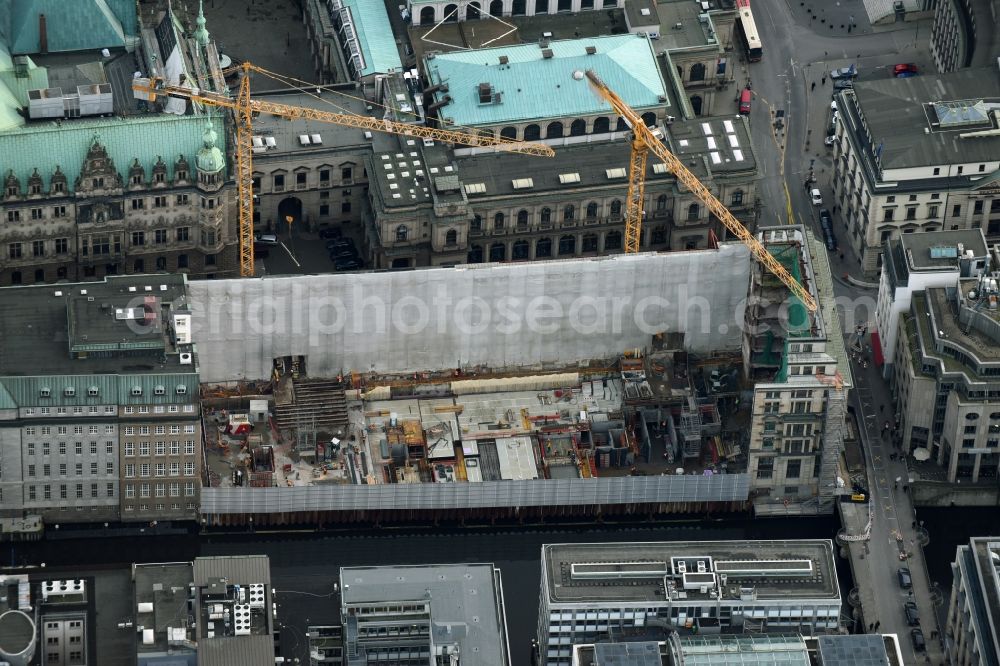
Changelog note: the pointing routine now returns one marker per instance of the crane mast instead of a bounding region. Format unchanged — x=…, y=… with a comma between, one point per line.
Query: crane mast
x=646, y=140
x=244, y=107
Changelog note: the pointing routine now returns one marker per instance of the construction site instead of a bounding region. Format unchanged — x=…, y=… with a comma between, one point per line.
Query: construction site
x=645, y=417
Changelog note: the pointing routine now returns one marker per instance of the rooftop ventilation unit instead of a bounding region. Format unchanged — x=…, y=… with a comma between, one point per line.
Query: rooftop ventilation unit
x=504, y=60
x=485, y=93
x=591, y=50
x=256, y=596
x=547, y=54
x=241, y=619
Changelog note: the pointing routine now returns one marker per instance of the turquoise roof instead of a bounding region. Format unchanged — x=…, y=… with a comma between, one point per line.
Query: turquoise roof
x=111, y=389
x=71, y=25
x=46, y=145
x=533, y=87
x=375, y=36
x=210, y=158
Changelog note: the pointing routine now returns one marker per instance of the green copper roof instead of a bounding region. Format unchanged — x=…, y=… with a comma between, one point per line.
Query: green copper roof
x=46, y=145
x=374, y=35
x=210, y=158
x=85, y=390
x=533, y=87
x=71, y=25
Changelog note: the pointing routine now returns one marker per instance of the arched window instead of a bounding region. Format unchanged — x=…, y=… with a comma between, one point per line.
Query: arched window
x=477, y=224
x=519, y=250
x=532, y=133
x=496, y=8
x=737, y=198
x=613, y=240
x=554, y=130
x=616, y=208
x=61, y=273
x=451, y=13
x=693, y=211
x=661, y=202
x=578, y=127
x=518, y=8
x=522, y=218
x=182, y=261
x=591, y=210
x=451, y=238
x=476, y=254
x=621, y=125
x=697, y=72
x=649, y=119
x=546, y=215
x=472, y=11
x=659, y=235
x=498, y=252
x=427, y=15
x=401, y=232
x=543, y=248
x=568, y=212
x=696, y=104
x=508, y=133
x=567, y=245
x=498, y=221
x=161, y=263
x=39, y=275
x=602, y=125
x=589, y=243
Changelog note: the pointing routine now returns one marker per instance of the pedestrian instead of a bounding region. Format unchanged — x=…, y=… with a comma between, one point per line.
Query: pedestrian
x=881, y=408
x=895, y=485
x=824, y=80
x=813, y=86
x=871, y=626
x=878, y=624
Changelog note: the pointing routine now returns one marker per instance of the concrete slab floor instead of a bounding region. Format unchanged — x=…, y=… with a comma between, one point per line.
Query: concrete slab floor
x=268, y=33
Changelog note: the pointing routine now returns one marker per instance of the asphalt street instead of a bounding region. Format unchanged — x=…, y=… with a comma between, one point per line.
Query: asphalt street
x=803, y=41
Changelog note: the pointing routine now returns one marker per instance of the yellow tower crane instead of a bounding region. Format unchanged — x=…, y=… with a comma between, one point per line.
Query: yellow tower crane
x=646, y=140
x=244, y=107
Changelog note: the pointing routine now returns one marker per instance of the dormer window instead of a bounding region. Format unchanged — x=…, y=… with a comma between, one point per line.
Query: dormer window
x=181, y=390
x=93, y=391
x=45, y=392
x=69, y=391
x=137, y=390
x=159, y=390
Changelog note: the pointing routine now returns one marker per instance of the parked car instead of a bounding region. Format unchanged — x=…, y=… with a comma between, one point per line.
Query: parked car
x=912, y=616
x=745, y=97
x=833, y=106
x=917, y=636
x=844, y=73
x=347, y=265
x=340, y=242
x=843, y=84
x=826, y=223
x=905, y=581
x=329, y=233
x=905, y=69
x=829, y=141
x=265, y=239
x=816, y=196
x=343, y=254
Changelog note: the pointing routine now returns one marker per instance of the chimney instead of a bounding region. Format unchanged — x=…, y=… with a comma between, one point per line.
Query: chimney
x=43, y=35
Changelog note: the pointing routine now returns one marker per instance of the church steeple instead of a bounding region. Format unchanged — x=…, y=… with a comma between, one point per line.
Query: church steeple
x=201, y=33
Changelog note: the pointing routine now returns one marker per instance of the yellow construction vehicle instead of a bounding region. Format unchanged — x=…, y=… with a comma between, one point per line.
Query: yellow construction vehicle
x=244, y=107
x=646, y=140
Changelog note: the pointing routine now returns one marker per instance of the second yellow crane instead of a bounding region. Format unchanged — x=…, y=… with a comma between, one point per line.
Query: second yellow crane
x=645, y=141
x=244, y=107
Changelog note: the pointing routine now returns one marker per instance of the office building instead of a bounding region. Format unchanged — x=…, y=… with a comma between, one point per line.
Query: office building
x=944, y=378
x=440, y=614
x=965, y=33
x=912, y=263
x=596, y=592
x=794, y=359
x=99, y=410
x=974, y=609
x=916, y=154
x=215, y=611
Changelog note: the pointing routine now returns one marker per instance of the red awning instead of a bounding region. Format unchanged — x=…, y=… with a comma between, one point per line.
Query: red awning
x=877, y=349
